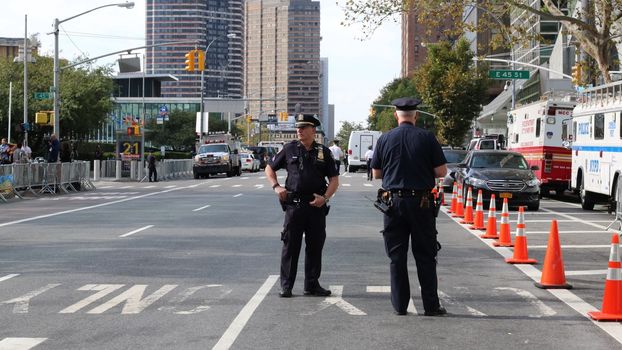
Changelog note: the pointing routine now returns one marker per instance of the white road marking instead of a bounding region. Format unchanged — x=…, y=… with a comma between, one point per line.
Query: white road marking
x=562, y=232
x=203, y=207
x=336, y=299
x=4, y=278
x=590, y=223
x=387, y=289
x=170, y=186
x=20, y=343
x=103, y=290
x=574, y=246
x=368, y=185
x=237, y=185
x=231, y=334
x=451, y=301
x=133, y=298
x=102, y=187
x=182, y=296
x=346, y=185
x=86, y=208
x=193, y=186
x=564, y=220
x=23, y=302
x=586, y=272
x=259, y=186
x=136, y=231
x=533, y=300
x=237, y=195
x=98, y=193
x=214, y=186
x=150, y=186
x=125, y=187
x=262, y=177
x=244, y=178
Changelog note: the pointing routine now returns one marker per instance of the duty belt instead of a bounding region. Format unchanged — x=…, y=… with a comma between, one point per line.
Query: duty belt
x=406, y=193
x=297, y=198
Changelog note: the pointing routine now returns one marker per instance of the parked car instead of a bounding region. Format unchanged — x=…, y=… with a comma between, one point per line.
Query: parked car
x=453, y=156
x=505, y=174
x=249, y=162
x=261, y=153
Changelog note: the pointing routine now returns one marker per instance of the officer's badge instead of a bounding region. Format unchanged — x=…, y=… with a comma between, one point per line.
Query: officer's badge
x=320, y=153
x=300, y=118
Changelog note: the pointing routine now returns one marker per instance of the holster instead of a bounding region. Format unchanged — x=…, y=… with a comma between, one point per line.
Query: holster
x=383, y=202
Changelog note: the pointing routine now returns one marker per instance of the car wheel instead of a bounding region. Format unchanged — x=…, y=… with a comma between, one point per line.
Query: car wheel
x=533, y=206
x=196, y=176
x=587, y=203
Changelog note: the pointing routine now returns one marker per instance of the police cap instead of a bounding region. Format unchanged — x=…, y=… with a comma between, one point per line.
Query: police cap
x=406, y=103
x=303, y=120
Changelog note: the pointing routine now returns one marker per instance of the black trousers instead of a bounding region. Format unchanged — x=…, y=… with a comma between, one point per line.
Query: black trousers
x=369, y=173
x=153, y=172
x=410, y=222
x=337, y=164
x=310, y=221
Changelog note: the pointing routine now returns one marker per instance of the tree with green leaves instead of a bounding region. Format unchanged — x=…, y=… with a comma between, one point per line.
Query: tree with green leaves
x=597, y=28
x=452, y=88
x=85, y=97
x=344, y=132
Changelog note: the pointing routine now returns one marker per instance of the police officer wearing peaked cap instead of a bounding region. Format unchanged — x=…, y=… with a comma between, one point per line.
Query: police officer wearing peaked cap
x=408, y=159
x=304, y=199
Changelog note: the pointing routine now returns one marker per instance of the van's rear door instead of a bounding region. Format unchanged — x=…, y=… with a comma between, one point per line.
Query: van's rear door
x=366, y=141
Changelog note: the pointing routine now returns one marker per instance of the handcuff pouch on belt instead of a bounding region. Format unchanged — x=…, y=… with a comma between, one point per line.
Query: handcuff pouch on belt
x=297, y=199
x=384, y=199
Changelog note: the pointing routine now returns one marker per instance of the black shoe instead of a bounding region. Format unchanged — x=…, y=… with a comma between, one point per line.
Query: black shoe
x=285, y=293
x=400, y=313
x=318, y=292
x=438, y=312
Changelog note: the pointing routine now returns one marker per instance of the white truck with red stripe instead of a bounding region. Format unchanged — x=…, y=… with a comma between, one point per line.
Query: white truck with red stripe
x=540, y=131
x=597, y=149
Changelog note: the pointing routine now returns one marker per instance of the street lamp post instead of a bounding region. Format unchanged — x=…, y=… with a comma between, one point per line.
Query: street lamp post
x=57, y=22
x=230, y=36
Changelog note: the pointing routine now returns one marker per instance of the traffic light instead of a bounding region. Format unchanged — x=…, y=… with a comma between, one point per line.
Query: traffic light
x=41, y=118
x=283, y=116
x=248, y=118
x=190, y=56
x=577, y=74
x=136, y=130
x=201, y=56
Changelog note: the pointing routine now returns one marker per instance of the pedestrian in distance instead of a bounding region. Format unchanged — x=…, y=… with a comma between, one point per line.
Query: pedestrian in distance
x=304, y=198
x=151, y=165
x=19, y=155
x=65, y=152
x=27, y=150
x=54, y=149
x=5, y=152
x=337, y=154
x=368, y=157
x=408, y=159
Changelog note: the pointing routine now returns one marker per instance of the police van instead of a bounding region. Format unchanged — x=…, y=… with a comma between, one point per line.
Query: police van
x=358, y=144
x=597, y=147
x=539, y=132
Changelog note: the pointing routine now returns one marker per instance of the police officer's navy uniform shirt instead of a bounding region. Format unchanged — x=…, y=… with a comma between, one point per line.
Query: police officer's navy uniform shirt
x=306, y=170
x=407, y=156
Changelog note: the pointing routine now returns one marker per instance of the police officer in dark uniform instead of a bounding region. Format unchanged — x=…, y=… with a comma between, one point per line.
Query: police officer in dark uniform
x=304, y=200
x=408, y=159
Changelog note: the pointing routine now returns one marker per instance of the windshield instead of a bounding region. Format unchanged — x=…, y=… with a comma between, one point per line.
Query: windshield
x=499, y=160
x=213, y=149
x=454, y=157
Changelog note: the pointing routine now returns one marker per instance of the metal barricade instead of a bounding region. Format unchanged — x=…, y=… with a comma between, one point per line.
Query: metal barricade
x=618, y=213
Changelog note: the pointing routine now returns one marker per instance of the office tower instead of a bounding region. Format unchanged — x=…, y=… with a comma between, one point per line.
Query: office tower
x=198, y=23
x=282, y=56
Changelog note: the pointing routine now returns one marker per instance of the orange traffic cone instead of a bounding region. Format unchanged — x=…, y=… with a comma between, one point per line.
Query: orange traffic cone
x=454, y=198
x=553, y=275
x=491, y=227
x=520, y=242
x=612, y=299
x=505, y=239
x=459, y=213
x=441, y=193
x=468, y=210
x=478, y=222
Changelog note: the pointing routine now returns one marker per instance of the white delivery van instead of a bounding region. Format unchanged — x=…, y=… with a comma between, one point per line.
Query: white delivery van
x=359, y=143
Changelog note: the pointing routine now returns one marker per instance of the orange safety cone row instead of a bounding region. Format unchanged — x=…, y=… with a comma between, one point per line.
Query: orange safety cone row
x=468, y=209
x=520, y=242
x=491, y=226
x=459, y=213
x=454, y=198
x=612, y=298
x=553, y=275
x=441, y=193
x=478, y=221
x=505, y=239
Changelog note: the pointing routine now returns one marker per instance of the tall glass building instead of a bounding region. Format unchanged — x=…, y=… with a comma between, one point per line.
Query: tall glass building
x=201, y=22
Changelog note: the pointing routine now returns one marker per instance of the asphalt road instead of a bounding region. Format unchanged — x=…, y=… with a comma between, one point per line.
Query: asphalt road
x=193, y=264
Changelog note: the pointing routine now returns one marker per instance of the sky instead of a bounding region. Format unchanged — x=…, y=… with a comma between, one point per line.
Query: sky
x=358, y=69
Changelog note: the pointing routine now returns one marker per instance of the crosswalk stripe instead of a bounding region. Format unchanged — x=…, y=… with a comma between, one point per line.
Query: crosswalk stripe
x=8, y=276
x=20, y=343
